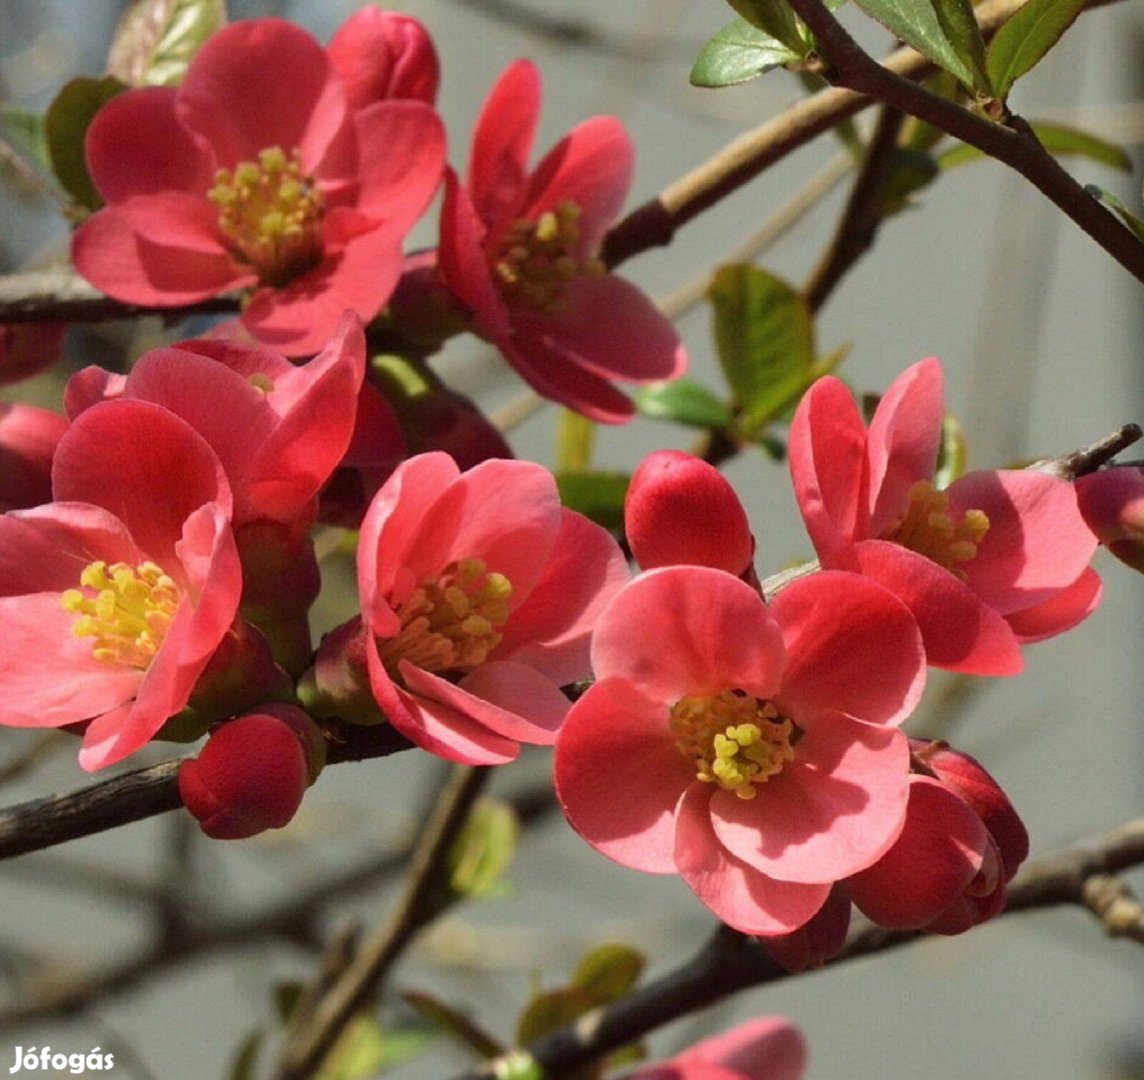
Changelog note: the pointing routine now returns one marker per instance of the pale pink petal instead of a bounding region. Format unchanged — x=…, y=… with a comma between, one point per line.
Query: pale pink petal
x=619, y=775
x=145, y=465
x=229, y=97
x=502, y=142
x=551, y=630
x=1071, y=606
x=852, y=647
x=740, y=895
x=903, y=443
x=401, y=158
x=959, y=631
x=827, y=450
x=611, y=329
x=136, y=146
x=683, y=631
x=770, y=1047
x=832, y=811
x=383, y=54
x=592, y=167
x=1037, y=541
x=509, y=699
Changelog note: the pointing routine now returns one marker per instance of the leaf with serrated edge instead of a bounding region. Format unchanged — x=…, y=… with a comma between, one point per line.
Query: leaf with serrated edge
x=738, y=53
x=773, y=17
x=1025, y=37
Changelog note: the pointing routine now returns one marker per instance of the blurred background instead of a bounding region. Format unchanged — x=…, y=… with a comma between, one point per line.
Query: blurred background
x=1041, y=334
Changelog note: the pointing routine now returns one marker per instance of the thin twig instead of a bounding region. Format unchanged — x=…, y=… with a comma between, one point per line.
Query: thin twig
x=424, y=898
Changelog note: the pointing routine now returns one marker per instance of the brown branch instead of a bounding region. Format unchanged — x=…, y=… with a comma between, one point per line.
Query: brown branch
x=730, y=961
x=315, y=1032
x=1013, y=144
x=143, y=793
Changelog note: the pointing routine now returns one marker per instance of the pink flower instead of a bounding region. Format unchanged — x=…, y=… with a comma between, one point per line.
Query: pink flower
x=521, y=250
x=381, y=55
x=253, y=772
x=116, y=595
x=478, y=595
x=680, y=510
x=750, y=748
x=1112, y=502
x=769, y=1048
x=996, y=560
x=28, y=438
x=272, y=167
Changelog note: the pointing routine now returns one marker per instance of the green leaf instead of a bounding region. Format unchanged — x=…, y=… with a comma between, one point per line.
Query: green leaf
x=1057, y=139
x=551, y=1010
x=246, y=1058
x=1113, y=203
x=23, y=130
x=943, y=30
x=909, y=171
x=596, y=495
x=775, y=18
x=686, y=402
x=65, y=126
x=454, y=1022
x=359, y=1051
x=738, y=53
x=518, y=1065
x=286, y=998
x=608, y=971
x=951, y=452
x=765, y=338
x=484, y=849
x=1030, y=32
x=156, y=40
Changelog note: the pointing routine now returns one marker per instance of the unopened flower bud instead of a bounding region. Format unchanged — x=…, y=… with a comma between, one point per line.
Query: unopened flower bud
x=682, y=511
x=819, y=940
x=1112, y=504
x=252, y=773
x=28, y=438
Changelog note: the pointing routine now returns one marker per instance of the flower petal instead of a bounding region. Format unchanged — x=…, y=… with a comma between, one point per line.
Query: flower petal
x=1067, y=609
x=619, y=775
x=770, y=1047
x=383, y=54
x=401, y=158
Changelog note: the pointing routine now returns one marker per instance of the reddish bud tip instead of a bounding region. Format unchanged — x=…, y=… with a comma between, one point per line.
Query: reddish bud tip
x=1112, y=504
x=681, y=511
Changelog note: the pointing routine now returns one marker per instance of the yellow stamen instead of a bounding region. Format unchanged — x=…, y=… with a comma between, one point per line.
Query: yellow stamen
x=538, y=259
x=453, y=623
x=129, y=613
x=927, y=528
x=271, y=212
x=735, y=740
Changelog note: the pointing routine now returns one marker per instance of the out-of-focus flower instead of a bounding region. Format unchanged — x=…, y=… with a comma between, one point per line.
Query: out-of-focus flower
x=750, y=748
x=478, y=597
x=300, y=188
x=26, y=349
x=769, y=1048
x=116, y=595
x=28, y=438
x=996, y=560
x=681, y=510
x=520, y=249
x=253, y=772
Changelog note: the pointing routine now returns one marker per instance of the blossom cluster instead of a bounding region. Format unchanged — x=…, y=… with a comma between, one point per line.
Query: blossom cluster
x=157, y=547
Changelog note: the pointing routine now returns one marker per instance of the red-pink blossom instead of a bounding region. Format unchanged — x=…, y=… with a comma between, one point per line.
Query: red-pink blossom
x=299, y=186
x=253, y=772
x=769, y=1048
x=26, y=349
x=681, y=510
x=995, y=560
x=28, y=438
x=116, y=595
x=752, y=749
x=380, y=55
x=1112, y=502
x=520, y=249
x=478, y=596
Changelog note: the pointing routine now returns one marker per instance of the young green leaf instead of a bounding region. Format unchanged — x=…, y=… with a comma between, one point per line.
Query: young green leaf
x=484, y=849
x=452, y=1021
x=944, y=30
x=1025, y=37
x=776, y=18
x=65, y=126
x=596, y=495
x=23, y=131
x=1113, y=203
x=608, y=972
x=738, y=53
x=156, y=39
x=1058, y=139
x=685, y=402
x=764, y=335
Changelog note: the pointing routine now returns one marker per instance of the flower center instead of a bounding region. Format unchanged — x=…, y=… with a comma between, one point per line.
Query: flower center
x=453, y=623
x=129, y=613
x=927, y=528
x=735, y=740
x=271, y=213
x=537, y=259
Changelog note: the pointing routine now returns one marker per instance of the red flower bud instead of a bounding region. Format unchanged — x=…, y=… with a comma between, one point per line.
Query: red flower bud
x=681, y=511
x=1112, y=504
x=28, y=438
x=819, y=940
x=252, y=773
